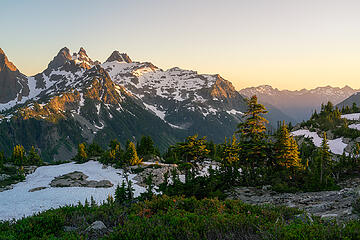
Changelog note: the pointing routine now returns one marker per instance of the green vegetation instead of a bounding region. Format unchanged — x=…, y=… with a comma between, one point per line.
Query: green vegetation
x=329, y=118
x=14, y=166
x=177, y=218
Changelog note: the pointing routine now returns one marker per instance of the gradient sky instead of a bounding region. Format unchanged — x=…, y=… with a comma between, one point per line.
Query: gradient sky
x=289, y=44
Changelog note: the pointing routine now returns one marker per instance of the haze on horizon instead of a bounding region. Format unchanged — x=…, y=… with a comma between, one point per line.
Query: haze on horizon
x=287, y=44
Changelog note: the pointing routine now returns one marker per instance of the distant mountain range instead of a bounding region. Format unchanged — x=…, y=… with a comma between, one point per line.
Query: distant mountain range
x=299, y=104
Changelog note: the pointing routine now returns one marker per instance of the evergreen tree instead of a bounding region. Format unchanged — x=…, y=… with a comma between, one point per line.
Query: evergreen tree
x=231, y=151
x=192, y=152
x=18, y=156
x=121, y=193
x=2, y=160
x=131, y=156
x=286, y=150
x=212, y=149
x=146, y=146
x=94, y=150
x=149, y=187
x=114, y=144
x=253, y=140
x=354, y=108
x=325, y=160
x=81, y=155
x=33, y=157
x=230, y=161
x=130, y=190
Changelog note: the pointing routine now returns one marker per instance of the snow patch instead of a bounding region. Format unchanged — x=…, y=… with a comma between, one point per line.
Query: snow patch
x=19, y=202
x=352, y=116
x=336, y=146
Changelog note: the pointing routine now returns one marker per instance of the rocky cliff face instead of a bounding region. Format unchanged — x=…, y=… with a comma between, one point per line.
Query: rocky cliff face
x=13, y=83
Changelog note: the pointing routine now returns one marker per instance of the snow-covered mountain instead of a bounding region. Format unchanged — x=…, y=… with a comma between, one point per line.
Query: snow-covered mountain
x=299, y=104
x=77, y=99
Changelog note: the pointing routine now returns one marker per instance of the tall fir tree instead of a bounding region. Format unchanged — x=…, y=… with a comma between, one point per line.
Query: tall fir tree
x=33, y=157
x=146, y=146
x=254, y=127
x=253, y=137
x=121, y=195
x=81, y=155
x=18, y=156
x=131, y=156
x=325, y=160
x=231, y=151
x=2, y=161
x=230, y=161
x=286, y=150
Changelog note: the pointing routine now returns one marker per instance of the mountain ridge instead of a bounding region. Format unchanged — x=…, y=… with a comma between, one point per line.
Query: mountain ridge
x=299, y=104
x=76, y=99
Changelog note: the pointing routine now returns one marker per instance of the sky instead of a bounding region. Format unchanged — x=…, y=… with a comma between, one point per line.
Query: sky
x=289, y=44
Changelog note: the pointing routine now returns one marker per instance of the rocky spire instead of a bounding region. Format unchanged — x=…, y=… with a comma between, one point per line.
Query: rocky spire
x=83, y=57
x=5, y=63
x=60, y=59
x=12, y=82
x=120, y=57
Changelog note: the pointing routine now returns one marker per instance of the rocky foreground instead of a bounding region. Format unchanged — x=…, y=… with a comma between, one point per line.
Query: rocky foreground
x=326, y=204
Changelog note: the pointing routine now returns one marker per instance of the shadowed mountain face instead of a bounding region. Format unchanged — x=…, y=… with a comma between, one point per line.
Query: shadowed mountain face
x=77, y=99
x=355, y=98
x=13, y=84
x=299, y=104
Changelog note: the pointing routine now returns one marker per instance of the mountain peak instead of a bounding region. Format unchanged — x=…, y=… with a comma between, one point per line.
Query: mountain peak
x=5, y=63
x=60, y=59
x=82, y=51
x=120, y=57
x=83, y=59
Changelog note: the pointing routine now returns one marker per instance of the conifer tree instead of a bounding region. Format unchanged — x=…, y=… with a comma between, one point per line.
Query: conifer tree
x=81, y=156
x=254, y=126
x=231, y=151
x=131, y=156
x=253, y=140
x=2, y=160
x=149, y=187
x=286, y=148
x=192, y=152
x=121, y=193
x=33, y=157
x=18, y=156
x=325, y=159
x=230, y=161
x=146, y=146
x=130, y=190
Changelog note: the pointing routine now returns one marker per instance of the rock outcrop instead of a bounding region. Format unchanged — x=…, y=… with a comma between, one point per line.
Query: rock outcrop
x=120, y=57
x=326, y=204
x=78, y=179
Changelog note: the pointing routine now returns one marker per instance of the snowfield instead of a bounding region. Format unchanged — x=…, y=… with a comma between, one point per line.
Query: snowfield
x=19, y=202
x=336, y=146
x=355, y=126
x=352, y=116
